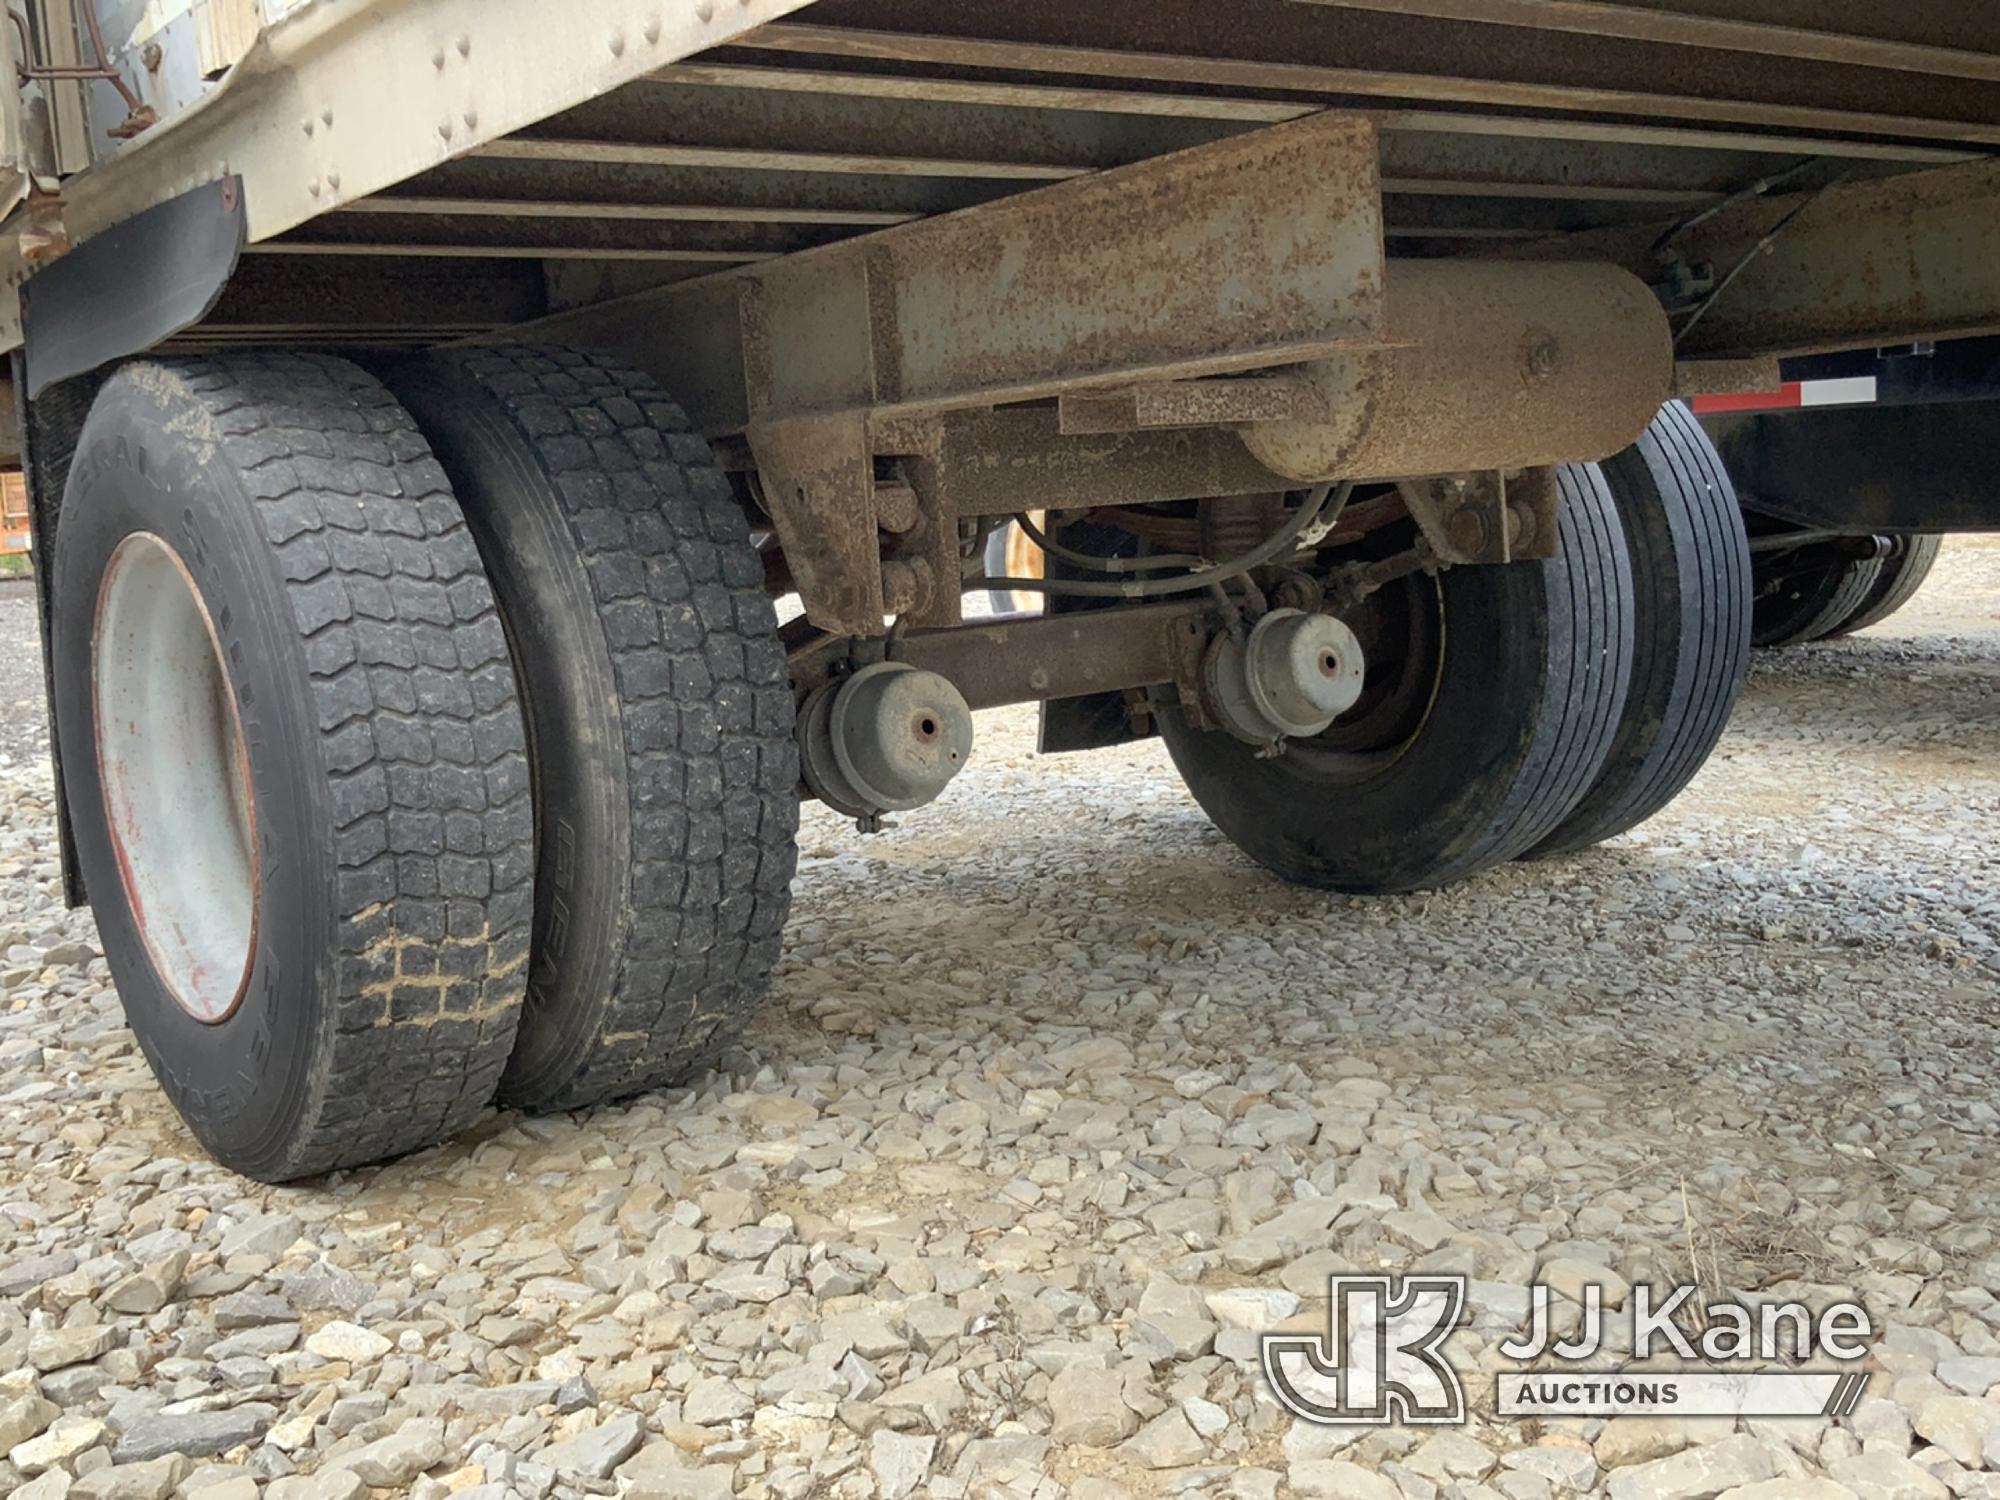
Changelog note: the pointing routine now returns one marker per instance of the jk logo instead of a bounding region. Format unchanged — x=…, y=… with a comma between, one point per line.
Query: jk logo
x=1379, y=1360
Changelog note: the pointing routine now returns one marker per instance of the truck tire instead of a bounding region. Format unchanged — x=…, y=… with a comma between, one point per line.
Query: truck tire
x=659, y=712
x=1896, y=585
x=1792, y=608
x=293, y=757
x=1475, y=737
x=1691, y=626
x=1009, y=554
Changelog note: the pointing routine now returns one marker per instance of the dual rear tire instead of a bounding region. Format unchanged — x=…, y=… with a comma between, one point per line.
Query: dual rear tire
x=319, y=927
x=376, y=830
x=1528, y=709
x=1902, y=573
x=658, y=705
x=1796, y=604
x=434, y=746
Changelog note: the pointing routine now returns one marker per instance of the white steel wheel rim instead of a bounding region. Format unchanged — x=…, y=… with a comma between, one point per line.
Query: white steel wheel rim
x=175, y=776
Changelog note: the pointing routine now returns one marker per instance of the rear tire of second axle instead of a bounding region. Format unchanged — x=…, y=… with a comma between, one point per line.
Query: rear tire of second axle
x=1489, y=704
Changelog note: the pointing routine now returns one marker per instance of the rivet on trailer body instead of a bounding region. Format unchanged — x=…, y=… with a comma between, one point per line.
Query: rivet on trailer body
x=307, y=126
x=445, y=127
x=465, y=44
x=333, y=181
x=471, y=118
x=437, y=59
x=616, y=42
x=704, y=11
x=326, y=117
x=651, y=31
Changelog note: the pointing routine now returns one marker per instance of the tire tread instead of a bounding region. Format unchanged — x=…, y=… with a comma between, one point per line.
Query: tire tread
x=1895, y=586
x=1691, y=579
x=1838, y=596
x=419, y=740
x=703, y=692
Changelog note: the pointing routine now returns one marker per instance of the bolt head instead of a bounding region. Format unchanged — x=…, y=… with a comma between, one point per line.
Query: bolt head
x=1467, y=529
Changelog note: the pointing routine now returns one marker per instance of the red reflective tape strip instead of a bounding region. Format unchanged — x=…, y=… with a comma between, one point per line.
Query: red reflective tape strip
x=1788, y=395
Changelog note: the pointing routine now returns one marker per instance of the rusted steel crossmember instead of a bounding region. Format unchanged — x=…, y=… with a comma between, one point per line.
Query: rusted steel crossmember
x=1030, y=658
x=1260, y=250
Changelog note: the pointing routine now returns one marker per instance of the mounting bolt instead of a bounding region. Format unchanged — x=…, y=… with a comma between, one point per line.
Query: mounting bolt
x=1467, y=529
x=1299, y=591
x=896, y=508
x=906, y=586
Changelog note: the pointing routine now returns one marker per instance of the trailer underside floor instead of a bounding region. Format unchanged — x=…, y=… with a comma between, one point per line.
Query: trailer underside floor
x=1561, y=127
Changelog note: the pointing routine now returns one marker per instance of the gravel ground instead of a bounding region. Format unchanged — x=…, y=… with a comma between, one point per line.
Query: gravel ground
x=24, y=730
x=1058, y=1101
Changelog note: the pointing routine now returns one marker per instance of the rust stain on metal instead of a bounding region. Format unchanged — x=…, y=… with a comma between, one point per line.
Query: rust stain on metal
x=1902, y=257
x=818, y=478
x=1030, y=658
x=1255, y=250
x=1493, y=365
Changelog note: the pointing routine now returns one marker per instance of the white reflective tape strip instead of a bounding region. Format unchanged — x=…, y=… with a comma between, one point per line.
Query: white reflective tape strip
x=1849, y=391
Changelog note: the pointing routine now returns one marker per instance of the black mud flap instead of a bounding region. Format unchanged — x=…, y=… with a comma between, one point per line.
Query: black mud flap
x=122, y=292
